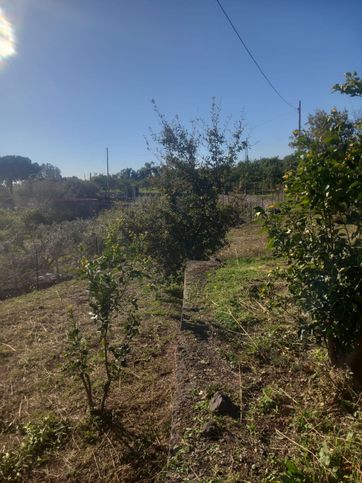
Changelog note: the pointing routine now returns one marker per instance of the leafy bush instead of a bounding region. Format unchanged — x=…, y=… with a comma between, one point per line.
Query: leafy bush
x=171, y=232
x=319, y=230
x=186, y=221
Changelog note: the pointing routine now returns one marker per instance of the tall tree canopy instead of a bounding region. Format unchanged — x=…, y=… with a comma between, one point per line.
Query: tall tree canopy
x=49, y=171
x=16, y=168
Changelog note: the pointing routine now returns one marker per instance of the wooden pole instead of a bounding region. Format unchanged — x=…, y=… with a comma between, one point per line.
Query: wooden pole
x=107, y=172
x=300, y=116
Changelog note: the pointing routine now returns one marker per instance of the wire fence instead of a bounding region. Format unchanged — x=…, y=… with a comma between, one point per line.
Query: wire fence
x=50, y=255
x=246, y=202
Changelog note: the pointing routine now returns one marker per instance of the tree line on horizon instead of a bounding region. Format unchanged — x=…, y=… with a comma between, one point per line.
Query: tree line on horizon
x=28, y=185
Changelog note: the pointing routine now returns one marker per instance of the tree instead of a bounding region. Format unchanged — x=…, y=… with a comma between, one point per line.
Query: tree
x=261, y=174
x=108, y=276
x=186, y=221
x=65, y=199
x=104, y=182
x=147, y=174
x=49, y=171
x=209, y=147
x=319, y=231
x=127, y=174
x=352, y=85
x=16, y=168
x=222, y=149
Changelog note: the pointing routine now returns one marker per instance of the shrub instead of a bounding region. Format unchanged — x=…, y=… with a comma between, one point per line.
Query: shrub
x=172, y=232
x=319, y=228
x=186, y=221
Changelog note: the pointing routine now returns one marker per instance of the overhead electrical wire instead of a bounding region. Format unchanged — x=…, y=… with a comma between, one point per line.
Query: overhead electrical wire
x=253, y=58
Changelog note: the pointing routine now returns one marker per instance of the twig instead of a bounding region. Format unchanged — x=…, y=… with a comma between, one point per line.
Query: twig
x=297, y=444
x=20, y=406
x=10, y=347
x=240, y=395
x=132, y=373
x=244, y=331
x=288, y=395
x=96, y=462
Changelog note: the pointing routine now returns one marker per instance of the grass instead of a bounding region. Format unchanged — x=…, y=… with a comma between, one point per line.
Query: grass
x=301, y=420
x=228, y=289
x=302, y=417
x=34, y=387
x=39, y=437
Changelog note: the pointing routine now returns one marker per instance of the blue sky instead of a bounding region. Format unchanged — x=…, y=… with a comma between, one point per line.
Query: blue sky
x=85, y=71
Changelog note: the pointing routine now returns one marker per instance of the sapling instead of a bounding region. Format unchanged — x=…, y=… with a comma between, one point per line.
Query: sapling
x=108, y=276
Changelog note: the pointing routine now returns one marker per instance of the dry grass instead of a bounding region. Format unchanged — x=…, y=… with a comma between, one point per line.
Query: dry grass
x=301, y=420
x=34, y=384
x=247, y=241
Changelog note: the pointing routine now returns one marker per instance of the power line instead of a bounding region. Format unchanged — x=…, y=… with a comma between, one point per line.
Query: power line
x=253, y=58
x=270, y=120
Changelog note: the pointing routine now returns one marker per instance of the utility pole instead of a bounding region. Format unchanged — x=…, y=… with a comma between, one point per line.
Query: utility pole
x=300, y=117
x=107, y=173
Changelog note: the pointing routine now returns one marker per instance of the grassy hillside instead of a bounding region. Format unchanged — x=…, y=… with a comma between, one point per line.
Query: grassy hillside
x=300, y=420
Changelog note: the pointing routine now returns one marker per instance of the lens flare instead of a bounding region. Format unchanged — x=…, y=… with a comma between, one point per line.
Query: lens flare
x=7, y=38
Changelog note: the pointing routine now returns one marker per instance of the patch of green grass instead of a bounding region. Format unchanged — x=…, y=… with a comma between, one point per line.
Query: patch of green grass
x=228, y=290
x=269, y=401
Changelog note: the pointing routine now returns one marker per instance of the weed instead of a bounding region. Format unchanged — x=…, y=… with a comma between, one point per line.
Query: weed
x=320, y=356
x=230, y=355
x=269, y=401
x=260, y=346
x=39, y=437
x=336, y=459
x=304, y=419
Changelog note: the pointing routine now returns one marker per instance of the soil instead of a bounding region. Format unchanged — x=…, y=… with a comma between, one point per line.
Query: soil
x=294, y=409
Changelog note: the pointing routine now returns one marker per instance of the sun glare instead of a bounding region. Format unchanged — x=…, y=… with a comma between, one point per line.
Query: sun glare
x=7, y=38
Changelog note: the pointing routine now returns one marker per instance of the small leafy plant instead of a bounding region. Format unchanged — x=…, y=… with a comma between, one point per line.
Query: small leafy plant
x=108, y=277
x=41, y=436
